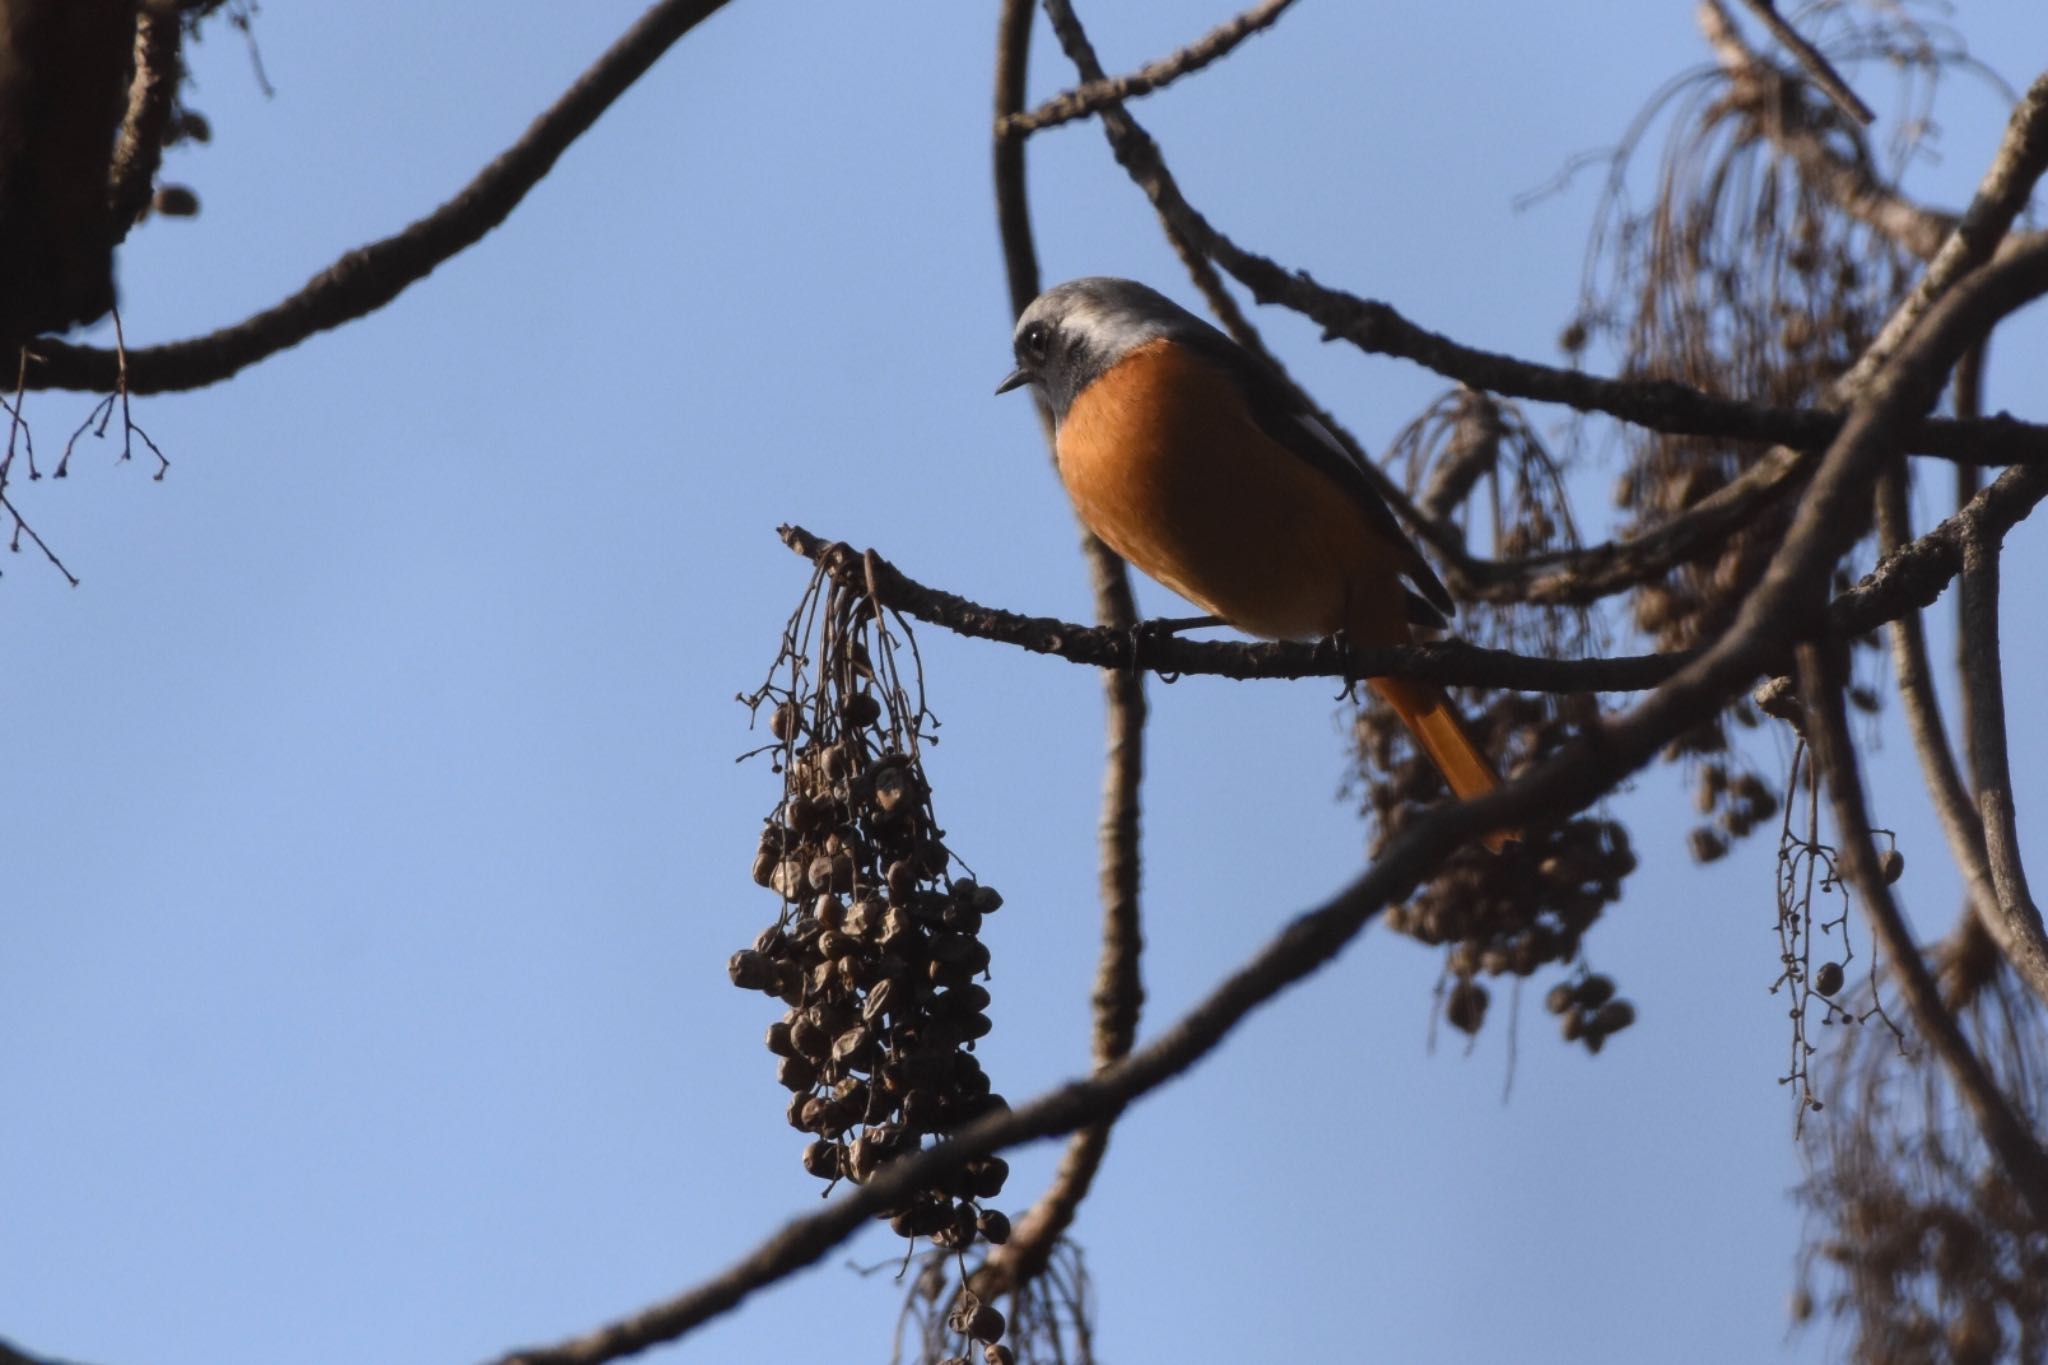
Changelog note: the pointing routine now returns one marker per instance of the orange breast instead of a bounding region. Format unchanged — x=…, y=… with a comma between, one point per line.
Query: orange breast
x=1166, y=464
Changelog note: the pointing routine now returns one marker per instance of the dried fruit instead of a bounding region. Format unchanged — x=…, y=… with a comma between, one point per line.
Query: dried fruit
x=876, y=948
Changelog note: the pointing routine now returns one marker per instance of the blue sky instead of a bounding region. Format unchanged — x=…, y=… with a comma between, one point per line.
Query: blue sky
x=373, y=839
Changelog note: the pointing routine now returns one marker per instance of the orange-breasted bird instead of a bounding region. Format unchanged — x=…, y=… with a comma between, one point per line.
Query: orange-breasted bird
x=1191, y=458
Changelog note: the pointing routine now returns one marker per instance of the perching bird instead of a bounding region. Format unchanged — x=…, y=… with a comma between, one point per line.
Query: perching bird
x=1191, y=458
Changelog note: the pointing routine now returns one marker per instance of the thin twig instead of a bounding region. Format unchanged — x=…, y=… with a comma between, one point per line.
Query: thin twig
x=1093, y=95
x=369, y=277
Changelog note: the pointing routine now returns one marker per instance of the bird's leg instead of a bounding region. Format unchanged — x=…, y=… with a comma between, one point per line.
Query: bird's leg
x=1163, y=626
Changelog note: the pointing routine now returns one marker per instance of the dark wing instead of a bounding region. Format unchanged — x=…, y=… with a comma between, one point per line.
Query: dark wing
x=1274, y=407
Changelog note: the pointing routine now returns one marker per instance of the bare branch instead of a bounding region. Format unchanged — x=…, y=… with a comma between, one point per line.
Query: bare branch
x=151, y=93
x=1817, y=66
x=1121, y=650
x=1119, y=993
x=369, y=277
x=2005, y=1133
x=2019, y=931
x=1093, y=95
x=2019, y=162
x=1952, y=804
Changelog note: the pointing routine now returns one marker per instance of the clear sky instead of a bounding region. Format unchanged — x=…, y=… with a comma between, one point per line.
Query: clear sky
x=372, y=835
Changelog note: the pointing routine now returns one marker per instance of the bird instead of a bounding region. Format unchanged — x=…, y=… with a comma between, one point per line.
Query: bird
x=1196, y=462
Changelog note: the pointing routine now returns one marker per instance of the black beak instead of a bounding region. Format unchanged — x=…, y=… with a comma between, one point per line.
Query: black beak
x=1017, y=379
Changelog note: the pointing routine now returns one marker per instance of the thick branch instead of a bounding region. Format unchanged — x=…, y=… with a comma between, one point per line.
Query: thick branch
x=369, y=277
x=1093, y=95
x=2001, y=196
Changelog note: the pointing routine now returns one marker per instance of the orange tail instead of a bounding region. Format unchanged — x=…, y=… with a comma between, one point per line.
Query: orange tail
x=1429, y=716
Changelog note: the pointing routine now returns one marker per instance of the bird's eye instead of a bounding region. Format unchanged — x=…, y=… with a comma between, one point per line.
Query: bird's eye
x=1033, y=340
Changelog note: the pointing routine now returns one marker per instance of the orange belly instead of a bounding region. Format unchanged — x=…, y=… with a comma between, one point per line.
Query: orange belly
x=1165, y=463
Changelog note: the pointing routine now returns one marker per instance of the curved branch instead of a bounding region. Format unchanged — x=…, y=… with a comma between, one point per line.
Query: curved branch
x=369, y=277
x=2019, y=931
x=1095, y=94
x=1959, y=819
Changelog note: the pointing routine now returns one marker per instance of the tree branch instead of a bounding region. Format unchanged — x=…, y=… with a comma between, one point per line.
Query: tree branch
x=2019, y=931
x=1093, y=95
x=1122, y=650
x=1952, y=804
x=1119, y=993
x=140, y=150
x=369, y=277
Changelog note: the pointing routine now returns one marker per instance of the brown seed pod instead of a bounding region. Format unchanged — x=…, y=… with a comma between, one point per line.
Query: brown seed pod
x=988, y=1175
x=1574, y=1024
x=1614, y=1016
x=751, y=971
x=1465, y=1007
x=973, y=1318
x=1595, y=991
x=822, y=1159
x=1828, y=978
x=1891, y=865
x=797, y=1073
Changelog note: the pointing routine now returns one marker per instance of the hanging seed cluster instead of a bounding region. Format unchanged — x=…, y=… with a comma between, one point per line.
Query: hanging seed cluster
x=1472, y=458
x=1744, y=278
x=876, y=954
x=1506, y=914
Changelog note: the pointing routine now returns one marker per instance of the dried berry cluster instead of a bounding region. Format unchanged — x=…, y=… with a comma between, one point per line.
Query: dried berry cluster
x=877, y=947
x=1736, y=798
x=1589, y=1009
x=1499, y=914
